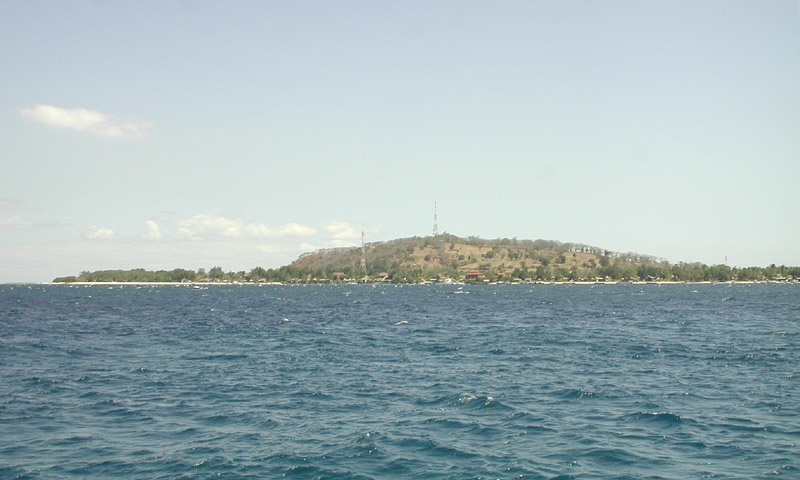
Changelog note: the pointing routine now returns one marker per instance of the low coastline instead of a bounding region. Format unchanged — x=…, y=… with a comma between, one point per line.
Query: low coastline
x=621, y=282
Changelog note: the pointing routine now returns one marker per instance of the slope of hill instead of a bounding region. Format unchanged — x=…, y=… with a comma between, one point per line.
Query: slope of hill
x=449, y=256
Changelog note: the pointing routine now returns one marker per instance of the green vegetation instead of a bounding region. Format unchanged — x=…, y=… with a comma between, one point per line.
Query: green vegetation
x=447, y=257
x=136, y=275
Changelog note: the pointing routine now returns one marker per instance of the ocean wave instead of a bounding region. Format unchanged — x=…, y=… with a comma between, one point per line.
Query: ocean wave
x=467, y=401
x=73, y=440
x=735, y=424
x=666, y=419
x=527, y=422
x=544, y=385
x=578, y=394
x=186, y=432
x=446, y=424
x=219, y=419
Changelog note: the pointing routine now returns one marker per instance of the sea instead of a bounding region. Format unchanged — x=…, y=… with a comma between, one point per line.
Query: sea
x=622, y=381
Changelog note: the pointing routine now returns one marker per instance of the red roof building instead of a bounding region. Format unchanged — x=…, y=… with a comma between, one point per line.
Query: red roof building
x=473, y=274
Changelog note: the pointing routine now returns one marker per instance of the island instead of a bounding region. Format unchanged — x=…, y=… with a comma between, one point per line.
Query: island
x=448, y=258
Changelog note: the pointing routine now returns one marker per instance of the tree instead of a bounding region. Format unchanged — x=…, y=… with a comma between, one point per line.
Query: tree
x=560, y=273
x=573, y=275
x=181, y=275
x=545, y=261
x=216, y=273
x=720, y=273
x=543, y=273
x=258, y=273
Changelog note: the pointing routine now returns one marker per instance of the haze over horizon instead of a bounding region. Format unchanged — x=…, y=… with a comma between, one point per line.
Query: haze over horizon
x=191, y=134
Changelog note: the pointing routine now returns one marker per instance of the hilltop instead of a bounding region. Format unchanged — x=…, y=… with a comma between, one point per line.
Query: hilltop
x=447, y=257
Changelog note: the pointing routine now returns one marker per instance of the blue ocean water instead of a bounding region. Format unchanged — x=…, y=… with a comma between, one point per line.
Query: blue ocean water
x=368, y=382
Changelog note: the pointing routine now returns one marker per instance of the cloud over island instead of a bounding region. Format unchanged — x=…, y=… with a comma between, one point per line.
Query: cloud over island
x=85, y=120
x=152, y=232
x=94, y=232
x=202, y=240
x=342, y=230
x=205, y=225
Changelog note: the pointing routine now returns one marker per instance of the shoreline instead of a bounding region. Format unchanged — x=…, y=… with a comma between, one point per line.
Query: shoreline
x=200, y=284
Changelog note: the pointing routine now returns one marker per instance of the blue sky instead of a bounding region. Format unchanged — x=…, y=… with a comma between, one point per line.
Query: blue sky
x=196, y=133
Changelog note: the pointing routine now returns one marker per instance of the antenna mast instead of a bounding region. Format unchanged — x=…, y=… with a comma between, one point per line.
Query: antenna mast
x=435, y=221
x=363, y=254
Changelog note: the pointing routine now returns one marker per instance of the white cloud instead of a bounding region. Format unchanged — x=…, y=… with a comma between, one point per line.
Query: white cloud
x=152, y=232
x=205, y=225
x=85, y=120
x=288, y=230
x=98, y=233
x=342, y=230
x=307, y=247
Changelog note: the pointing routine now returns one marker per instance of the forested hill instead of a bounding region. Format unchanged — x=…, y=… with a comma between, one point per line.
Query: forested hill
x=450, y=258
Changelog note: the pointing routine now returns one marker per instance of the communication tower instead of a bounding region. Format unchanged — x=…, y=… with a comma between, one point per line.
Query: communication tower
x=435, y=221
x=363, y=254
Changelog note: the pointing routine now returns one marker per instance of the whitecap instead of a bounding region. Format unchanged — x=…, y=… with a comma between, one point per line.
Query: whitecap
x=465, y=398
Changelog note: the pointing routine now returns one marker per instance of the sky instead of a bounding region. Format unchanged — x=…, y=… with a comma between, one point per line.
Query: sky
x=189, y=134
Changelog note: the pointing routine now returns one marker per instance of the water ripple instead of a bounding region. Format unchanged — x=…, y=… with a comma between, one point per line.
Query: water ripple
x=362, y=382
